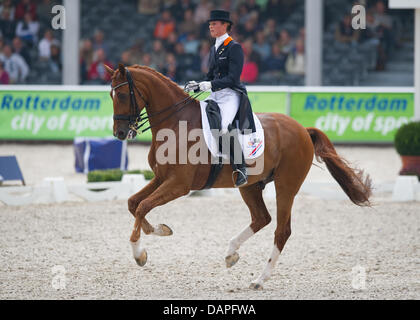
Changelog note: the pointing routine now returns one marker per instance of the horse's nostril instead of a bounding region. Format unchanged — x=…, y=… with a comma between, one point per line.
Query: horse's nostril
x=121, y=134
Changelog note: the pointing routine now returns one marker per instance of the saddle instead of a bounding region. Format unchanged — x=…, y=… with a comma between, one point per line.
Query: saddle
x=251, y=142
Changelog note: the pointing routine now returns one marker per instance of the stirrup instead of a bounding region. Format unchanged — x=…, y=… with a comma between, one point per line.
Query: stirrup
x=244, y=176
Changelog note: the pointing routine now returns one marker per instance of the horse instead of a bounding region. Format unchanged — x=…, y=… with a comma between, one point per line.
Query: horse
x=288, y=155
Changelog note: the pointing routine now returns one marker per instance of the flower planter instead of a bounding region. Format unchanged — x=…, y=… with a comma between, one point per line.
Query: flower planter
x=410, y=165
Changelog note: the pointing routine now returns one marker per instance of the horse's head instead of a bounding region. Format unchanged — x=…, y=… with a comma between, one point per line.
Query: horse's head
x=126, y=109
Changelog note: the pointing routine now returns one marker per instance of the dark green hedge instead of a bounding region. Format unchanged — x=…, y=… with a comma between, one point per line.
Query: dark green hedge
x=407, y=139
x=116, y=175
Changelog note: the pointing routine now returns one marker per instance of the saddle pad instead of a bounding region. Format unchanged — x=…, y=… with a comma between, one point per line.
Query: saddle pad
x=252, y=144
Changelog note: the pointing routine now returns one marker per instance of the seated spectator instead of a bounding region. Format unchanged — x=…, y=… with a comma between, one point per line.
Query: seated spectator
x=202, y=12
x=192, y=44
x=373, y=35
x=86, y=58
x=7, y=25
x=187, y=25
x=285, y=42
x=55, y=59
x=24, y=7
x=15, y=65
x=244, y=14
x=28, y=30
x=253, y=6
x=262, y=46
x=171, y=42
x=180, y=8
x=275, y=63
x=185, y=61
x=20, y=48
x=295, y=63
x=125, y=58
x=147, y=61
x=249, y=71
x=164, y=26
x=148, y=7
x=43, y=11
x=4, y=76
x=170, y=69
x=97, y=72
x=136, y=52
x=384, y=28
x=158, y=54
x=8, y=6
x=270, y=30
x=44, y=46
x=248, y=29
x=204, y=56
x=273, y=9
x=249, y=51
x=98, y=41
x=344, y=32
x=381, y=17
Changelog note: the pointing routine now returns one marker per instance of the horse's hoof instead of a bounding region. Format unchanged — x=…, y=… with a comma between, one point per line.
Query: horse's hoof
x=142, y=258
x=256, y=286
x=164, y=230
x=231, y=260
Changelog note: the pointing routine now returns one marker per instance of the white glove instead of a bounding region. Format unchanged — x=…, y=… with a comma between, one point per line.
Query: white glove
x=205, y=85
x=191, y=86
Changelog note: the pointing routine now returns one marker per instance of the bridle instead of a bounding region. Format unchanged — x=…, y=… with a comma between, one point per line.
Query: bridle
x=137, y=119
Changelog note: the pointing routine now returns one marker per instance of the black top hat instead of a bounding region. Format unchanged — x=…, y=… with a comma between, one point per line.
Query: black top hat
x=220, y=15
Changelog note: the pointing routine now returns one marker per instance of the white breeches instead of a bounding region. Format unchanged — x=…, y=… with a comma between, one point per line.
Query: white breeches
x=228, y=101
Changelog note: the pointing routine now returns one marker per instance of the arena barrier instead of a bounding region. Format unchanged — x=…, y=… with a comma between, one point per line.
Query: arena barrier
x=55, y=190
x=345, y=114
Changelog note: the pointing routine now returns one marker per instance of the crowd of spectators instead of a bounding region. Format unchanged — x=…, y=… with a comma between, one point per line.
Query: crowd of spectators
x=25, y=39
x=180, y=43
x=378, y=32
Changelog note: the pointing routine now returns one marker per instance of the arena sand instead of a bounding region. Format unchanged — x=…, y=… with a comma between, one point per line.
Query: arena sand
x=90, y=242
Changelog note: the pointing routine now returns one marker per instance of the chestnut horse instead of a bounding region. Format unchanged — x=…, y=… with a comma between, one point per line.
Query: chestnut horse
x=287, y=158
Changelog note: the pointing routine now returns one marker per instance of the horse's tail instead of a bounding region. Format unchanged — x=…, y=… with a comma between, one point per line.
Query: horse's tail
x=352, y=181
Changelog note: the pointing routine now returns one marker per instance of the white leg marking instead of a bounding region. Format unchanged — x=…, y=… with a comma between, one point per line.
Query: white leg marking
x=237, y=241
x=258, y=284
x=137, y=250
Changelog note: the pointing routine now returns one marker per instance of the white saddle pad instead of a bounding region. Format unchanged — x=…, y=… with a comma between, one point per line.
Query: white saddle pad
x=252, y=144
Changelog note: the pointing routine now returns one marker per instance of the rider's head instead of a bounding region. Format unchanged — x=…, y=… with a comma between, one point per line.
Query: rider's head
x=219, y=23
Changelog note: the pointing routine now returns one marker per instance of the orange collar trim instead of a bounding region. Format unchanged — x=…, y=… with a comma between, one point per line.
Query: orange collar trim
x=226, y=42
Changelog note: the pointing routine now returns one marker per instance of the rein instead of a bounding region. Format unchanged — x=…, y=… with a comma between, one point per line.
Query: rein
x=137, y=119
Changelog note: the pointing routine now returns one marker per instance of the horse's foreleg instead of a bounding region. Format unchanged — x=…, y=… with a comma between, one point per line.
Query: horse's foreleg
x=134, y=201
x=166, y=192
x=252, y=196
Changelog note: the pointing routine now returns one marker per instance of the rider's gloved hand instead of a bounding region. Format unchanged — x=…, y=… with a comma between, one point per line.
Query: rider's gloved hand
x=205, y=85
x=191, y=86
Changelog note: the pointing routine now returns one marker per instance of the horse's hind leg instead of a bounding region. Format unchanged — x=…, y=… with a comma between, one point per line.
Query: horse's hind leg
x=284, y=199
x=252, y=196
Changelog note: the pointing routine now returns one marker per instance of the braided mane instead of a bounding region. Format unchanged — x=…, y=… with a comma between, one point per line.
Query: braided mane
x=165, y=79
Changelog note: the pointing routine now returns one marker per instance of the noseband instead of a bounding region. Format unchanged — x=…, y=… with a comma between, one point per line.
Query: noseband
x=136, y=117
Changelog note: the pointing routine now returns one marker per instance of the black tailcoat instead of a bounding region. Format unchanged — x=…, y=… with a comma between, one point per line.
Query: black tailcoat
x=225, y=68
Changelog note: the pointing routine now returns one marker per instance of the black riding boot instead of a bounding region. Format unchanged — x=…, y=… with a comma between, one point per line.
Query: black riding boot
x=239, y=167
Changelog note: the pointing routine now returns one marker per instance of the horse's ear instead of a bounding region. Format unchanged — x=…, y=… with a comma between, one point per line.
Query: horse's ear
x=109, y=70
x=121, y=68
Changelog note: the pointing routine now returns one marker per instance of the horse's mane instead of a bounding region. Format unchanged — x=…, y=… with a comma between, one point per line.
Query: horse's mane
x=165, y=79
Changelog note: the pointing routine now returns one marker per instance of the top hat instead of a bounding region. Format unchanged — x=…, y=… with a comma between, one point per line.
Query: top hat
x=220, y=15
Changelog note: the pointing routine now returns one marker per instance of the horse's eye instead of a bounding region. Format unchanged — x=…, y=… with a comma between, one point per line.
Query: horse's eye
x=122, y=96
